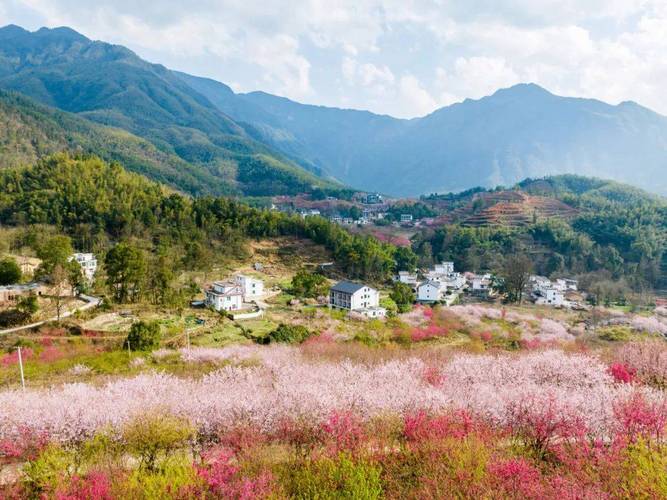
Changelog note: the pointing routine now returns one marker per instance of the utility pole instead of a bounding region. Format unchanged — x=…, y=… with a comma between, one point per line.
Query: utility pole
x=21, y=369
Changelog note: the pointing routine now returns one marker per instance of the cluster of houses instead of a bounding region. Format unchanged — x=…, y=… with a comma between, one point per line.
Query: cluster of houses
x=239, y=292
x=544, y=291
x=368, y=216
x=440, y=284
x=372, y=205
x=233, y=294
x=12, y=293
x=443, y=284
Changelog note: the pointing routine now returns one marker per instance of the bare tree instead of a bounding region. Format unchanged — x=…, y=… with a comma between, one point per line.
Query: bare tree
x=59, y=284
x=515, y=273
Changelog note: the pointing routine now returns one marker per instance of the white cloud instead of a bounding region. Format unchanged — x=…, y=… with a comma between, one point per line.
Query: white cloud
x=372, y=74
x=283, y=66
x=366, y=74
x=474, y=77
x=415, y=96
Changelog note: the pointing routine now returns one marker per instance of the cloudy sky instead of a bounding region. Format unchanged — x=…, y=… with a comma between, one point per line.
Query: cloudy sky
x=400, y=57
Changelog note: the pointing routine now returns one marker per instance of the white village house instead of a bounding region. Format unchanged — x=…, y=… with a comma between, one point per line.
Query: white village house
x=230, y=295
x=439, y=281
x=88, y=264
x=565, y=285
x=358, y=298
x=443, y=268
x=431, y=291
x=224, y=296
x=480, y=284
x=546, y=292
x=550, y=297
x=251, y=287
x=444, y=272
x=408, y=278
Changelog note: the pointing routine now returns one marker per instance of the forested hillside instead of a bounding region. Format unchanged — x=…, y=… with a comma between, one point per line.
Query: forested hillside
x=30, y=131
x=110, y=85
x=98, y=205
x=618, y=233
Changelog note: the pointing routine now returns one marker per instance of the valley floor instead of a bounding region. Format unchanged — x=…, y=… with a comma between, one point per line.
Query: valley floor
x=466, y=401
x=470, y=401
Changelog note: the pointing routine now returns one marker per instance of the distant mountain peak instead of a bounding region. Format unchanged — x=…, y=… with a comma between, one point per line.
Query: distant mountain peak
x=522, y=91
x=11, y=30
x=62, y=32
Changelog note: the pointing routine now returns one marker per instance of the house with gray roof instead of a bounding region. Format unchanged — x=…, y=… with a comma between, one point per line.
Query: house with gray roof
x=356, y=297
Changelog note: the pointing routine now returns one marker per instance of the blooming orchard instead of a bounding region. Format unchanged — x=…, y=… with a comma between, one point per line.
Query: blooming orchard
x=281, y=383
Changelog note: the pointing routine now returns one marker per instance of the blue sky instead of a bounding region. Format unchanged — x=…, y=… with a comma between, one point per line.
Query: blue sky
x=399, y=57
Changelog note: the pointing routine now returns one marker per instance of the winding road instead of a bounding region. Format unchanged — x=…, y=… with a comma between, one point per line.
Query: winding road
x=91, y=302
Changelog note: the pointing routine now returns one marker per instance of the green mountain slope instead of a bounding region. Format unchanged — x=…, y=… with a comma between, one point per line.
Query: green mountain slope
x=30, y=131
x=110, y=85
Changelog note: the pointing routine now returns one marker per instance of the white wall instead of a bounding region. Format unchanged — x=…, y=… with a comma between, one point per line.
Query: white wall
x=361, y=299
x=251, y=287
x=224, y=302
x=365, y=297
x=429, y=293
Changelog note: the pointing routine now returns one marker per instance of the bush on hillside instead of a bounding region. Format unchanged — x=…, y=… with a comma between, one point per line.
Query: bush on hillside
x=13, y=317
x=403, y=296
x=305, y=284
x=10, y=272
x=144, y=336
x=290, y=334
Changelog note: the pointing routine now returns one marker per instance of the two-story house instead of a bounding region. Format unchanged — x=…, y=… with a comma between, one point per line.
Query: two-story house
x=251, y=287
x=224, y=296
x=88, y=264
x=356, y=297
x=431, y=291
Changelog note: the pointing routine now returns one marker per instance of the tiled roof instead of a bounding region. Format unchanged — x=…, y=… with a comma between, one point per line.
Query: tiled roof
x=347, y=287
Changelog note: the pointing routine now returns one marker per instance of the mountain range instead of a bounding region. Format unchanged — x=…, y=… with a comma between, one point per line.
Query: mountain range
x=111, y=87
x=207, y=139
x=523, y=131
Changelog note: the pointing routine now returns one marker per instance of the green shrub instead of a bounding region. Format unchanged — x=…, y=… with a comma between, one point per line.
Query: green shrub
x=367, y=338
x=305, y=284
x=615, y=334
x=153, y=437
x=175, y=479
x=28, y=304
x=328, y=478
x=144, y=336
x=48, y=472
x=290, y=334
x=644, y=471
x=390, y=306
x=10, y=272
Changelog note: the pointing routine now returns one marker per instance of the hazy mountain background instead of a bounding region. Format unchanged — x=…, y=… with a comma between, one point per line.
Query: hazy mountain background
x=261, y=144
x=523, y=131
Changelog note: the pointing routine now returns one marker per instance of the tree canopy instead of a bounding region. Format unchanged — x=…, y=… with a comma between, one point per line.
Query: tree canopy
x=10, y=272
